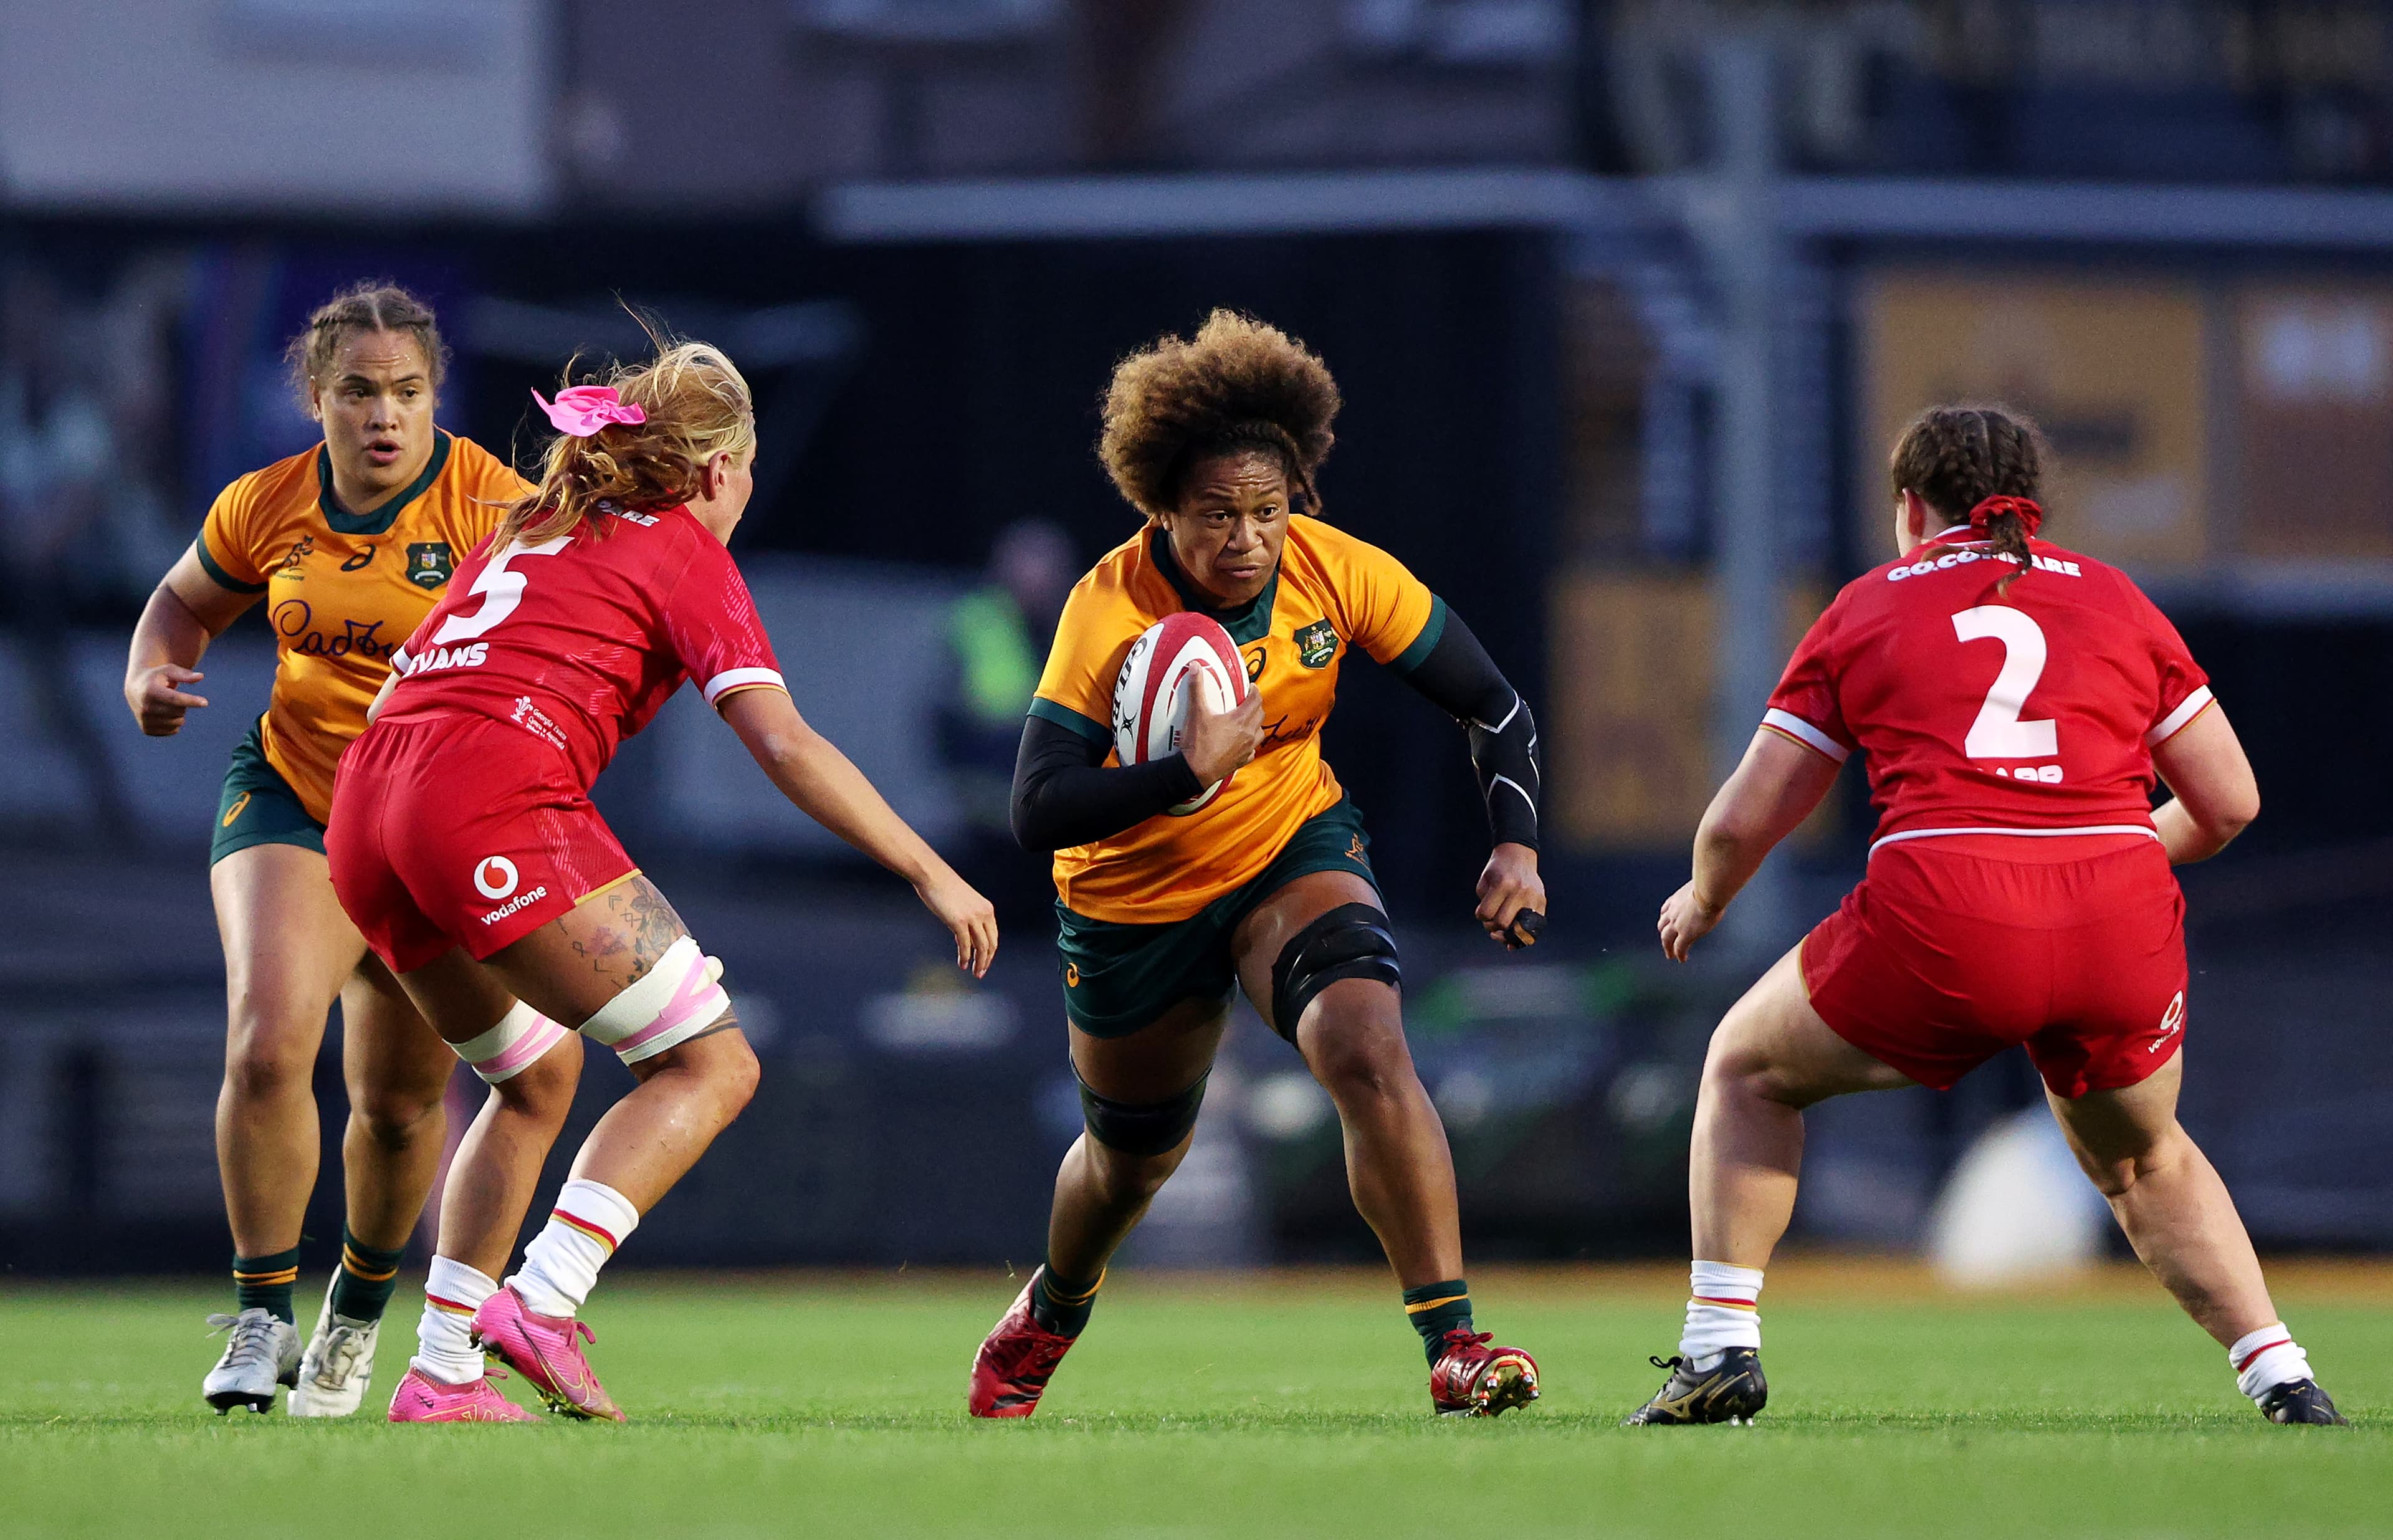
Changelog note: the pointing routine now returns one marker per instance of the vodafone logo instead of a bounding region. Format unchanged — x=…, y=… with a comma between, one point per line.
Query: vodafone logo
x=2172, y=1022
x=495, y=876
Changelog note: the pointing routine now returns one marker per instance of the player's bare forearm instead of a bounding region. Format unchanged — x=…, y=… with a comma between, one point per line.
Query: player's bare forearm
x=2184, y=839
x=382, y=696
x=185, y=612
x=814, y=775
x=825, y=785
x=1774, y=788
x=2216, y=796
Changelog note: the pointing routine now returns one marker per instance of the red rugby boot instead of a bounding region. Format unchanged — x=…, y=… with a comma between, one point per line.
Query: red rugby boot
x=545, y=1349
x=420, y=1398
x=1472, y=1379
x=1012, y=1369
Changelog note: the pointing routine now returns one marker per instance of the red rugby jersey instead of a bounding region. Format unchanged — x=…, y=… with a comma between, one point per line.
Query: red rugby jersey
x=582, y=639
x=2030, y=713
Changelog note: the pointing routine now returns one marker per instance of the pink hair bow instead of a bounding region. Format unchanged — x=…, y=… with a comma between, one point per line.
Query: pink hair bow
x=581, y=411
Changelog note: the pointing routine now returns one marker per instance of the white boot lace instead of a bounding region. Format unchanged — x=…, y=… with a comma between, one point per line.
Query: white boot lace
x=252, y=1339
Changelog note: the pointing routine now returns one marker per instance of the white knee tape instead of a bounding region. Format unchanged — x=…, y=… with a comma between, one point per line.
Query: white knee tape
x=521, y=1037
x=678, y=999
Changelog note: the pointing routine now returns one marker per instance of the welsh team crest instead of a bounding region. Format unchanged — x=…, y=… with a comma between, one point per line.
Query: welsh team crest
x=428, y=565
x=1316, y=644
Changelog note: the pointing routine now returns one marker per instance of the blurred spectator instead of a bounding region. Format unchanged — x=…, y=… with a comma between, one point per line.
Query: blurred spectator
x=998, y=636
x=84, y=429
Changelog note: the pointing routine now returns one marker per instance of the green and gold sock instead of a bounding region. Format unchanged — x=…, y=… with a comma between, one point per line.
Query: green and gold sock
x=264, y=1281
x=1061, y=1305
x=1436, y=1308
x=369, y=1276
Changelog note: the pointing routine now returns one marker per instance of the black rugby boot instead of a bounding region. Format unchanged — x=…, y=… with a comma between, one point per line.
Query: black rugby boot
x=2301, y=1400
x=1731, y=1390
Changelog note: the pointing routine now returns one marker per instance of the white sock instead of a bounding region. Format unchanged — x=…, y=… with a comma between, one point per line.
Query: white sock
x=1721, y=1312
x=444, y=1346
x=562, y=1262
x=2266, y=1359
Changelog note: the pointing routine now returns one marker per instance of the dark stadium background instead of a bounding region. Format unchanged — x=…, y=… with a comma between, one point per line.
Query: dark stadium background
x=1531, y=238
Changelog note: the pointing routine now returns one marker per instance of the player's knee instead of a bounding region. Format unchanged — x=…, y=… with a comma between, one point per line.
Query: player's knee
x=1359, y=1056
x=736, y=1074
x=1737, y=1069
x=397, y=1120
x=1131, y=1182
x=1140, y=1131
x=677, y=1000
x=2121, y=1166
x=1350, y=942
x=269, y=1054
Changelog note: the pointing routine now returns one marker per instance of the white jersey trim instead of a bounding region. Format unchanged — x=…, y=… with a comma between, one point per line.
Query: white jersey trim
x=2187, y=710
x=1804, y=733
x=2147, y=831
x=739, y=679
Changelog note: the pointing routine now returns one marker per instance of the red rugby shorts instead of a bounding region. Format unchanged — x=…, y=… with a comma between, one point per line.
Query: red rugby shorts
x=461, y=831
x=1945, y=956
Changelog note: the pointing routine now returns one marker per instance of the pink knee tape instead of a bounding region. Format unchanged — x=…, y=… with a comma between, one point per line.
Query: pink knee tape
x=678, y=999
x=506, y=1050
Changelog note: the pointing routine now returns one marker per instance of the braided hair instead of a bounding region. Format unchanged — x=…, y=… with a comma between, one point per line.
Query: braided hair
x=1238, y=386
x=373, y=305
x=1956, y=457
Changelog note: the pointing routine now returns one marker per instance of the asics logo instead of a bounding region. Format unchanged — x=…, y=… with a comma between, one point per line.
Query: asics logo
x=239, y=807
x=495, y=876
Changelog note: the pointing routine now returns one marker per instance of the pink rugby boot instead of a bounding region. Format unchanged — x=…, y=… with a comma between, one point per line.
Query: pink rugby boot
x=545, y=1349
x=420, y=1398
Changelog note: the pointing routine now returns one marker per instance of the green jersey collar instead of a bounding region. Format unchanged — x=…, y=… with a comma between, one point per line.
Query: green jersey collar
x=343, y=522
x=1247, y=622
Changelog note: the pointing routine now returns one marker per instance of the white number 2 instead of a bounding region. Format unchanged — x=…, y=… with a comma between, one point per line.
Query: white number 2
x=502, y=591
x=1998, y=733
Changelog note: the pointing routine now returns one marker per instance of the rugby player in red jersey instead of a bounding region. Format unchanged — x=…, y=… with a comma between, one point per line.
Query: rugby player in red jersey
x=2016, y=701
x=465, y=845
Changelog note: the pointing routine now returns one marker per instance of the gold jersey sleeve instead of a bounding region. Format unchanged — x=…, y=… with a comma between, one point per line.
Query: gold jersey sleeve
x=1332, y=591
x=342, y=591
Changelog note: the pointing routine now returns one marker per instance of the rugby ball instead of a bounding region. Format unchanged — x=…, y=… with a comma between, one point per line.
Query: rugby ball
x=1180, y=658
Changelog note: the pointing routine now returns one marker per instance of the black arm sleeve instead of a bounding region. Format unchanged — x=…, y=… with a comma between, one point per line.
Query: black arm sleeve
x=1459, y=679
x=1065, y=794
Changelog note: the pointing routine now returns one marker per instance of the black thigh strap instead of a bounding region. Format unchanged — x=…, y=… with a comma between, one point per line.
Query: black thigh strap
x=1350, y=942
x=1141, y=1129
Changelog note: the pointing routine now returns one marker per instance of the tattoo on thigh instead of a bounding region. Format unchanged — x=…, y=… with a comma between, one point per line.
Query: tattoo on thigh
x=647, y=924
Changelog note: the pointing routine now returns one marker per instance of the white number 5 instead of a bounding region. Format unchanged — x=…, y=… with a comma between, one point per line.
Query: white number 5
x=1998, y=733
x=502, y=591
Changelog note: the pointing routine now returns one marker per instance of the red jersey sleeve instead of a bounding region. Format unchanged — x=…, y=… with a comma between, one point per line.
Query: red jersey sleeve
x=1804, y=705
x=2184, y=689
x=712, y=626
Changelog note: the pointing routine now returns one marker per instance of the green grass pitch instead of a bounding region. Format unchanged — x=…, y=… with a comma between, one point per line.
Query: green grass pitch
x=1285, y=1404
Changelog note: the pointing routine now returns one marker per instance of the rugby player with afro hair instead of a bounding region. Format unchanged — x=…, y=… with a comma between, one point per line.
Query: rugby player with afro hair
x=1217, y=440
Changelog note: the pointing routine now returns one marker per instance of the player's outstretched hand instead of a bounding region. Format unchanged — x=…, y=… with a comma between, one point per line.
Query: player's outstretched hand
x=1218, y=742
x=1684, y=921
x=159, y=700
x=964, y=911
x=1509, y=888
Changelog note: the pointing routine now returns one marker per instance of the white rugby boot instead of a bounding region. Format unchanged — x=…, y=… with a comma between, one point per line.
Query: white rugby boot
x=337, y=1366
x=263, y=1353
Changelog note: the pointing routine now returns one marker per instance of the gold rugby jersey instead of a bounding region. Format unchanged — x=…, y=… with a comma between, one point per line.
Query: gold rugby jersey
x=1332, y=591
x=343, y=590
